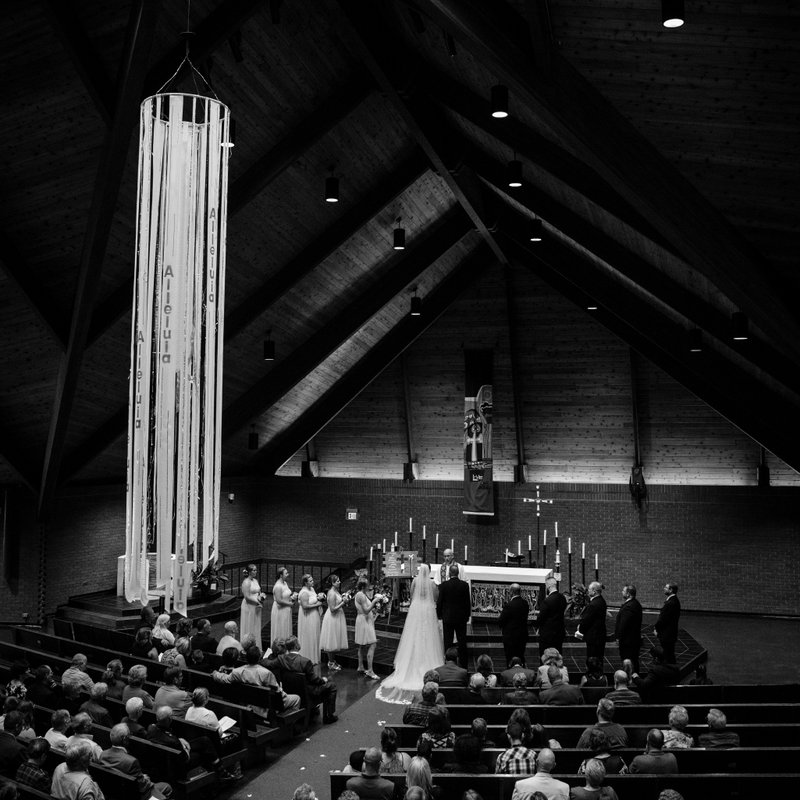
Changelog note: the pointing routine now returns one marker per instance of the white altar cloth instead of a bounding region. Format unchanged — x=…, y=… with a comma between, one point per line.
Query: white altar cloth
x=510, y=574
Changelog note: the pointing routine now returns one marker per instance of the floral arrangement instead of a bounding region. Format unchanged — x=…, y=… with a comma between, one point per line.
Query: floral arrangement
x=383, y=601
x=576, y=601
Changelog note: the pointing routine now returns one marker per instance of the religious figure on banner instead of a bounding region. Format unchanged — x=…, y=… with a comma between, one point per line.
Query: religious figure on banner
x=477, y=441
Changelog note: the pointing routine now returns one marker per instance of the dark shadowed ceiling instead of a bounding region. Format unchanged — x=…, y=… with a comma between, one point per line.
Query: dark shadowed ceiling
x=663, y=164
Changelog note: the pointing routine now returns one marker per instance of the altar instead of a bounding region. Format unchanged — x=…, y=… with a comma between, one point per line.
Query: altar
x=489, y=586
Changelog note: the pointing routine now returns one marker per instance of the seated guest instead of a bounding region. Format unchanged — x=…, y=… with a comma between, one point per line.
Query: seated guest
x=198, y=712
x=137, y=675
x=71, y=697
x=717, y=736
x=517, y=759
x=171, y=694
x=392, y=762
x=466, y=756
x=700, y=677
x=559, y=693
x=143, y=646
x=56, y=734
x=203, y=640
x=76, y=673
x=200, y=663
x=94, y=705
x=163, y=638
x=542, y=781
x=676, y=737
x=9, y=704
x=450, y=674
x=31, y=772
x=418, y=775
x=356, y=761
x=598, y=744
x=520, y=696
x=17, y=687
x=594, y=675
x=480, y=730
x=112, y=678
x=320, y=690
x=27, y=734
x=369, y=785
x=304, y=792
x=473, y=695
x=485, y=666
x=438, y=731
x=177, y=655
x=432, y=676
x=595, y=776
x=551, y=658
x=183, y=627
x=617, y=737
x=670, y=794
x=12, y=752
x=507, y=675
x=118, y=758
x=417, y=712
x=71, y=779
x=230, y=632
x=82, y=732
x=654, y=760
x=134, y=709
x=270, y=659
x=43, y=689
x=622, y=694
x=659, y=675
x=249, y=640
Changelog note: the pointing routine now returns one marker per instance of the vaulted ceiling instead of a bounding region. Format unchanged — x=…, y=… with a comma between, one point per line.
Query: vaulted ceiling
x=663, y=164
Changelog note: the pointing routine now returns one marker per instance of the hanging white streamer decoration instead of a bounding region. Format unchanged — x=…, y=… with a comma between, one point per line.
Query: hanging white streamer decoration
x=175, y=412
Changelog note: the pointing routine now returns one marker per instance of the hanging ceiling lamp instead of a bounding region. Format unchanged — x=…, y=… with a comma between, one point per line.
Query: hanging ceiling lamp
x=739, y=327
x=269, y=347
x=514, y=173
x=695, y=340
x=672, y=15
x=416, y=304
x=499, y=101
x=536, y=230
x=331, y=188
x=398, y=236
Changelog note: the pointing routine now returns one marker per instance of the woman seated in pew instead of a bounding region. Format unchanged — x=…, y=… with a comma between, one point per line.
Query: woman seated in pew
x=143, y=646
x=418, y=775
x=113, y=679
x=94, y=706
x=533, y=736
x=17, y=687
x=594, y=675
x=438, y=731
x=595, y=774
x=519, y=695
x=392, y=762
x=137, y=676
x=551, y=657
x=27, y=734
x=676, y=737
x=57, y=734
x=198, y=711
x=162, y=636
x=71, y=697
x=598, y=744
x=466, y=756
x=176, y=655
x=485, y=666
x=43, y=690
x=82, y=732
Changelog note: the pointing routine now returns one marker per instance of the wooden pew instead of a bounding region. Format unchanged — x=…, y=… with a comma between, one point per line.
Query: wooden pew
x=26, y=792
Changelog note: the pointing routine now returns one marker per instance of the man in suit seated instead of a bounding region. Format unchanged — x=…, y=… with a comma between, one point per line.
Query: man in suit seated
x=559, y=693
x=659, y=675
x=542, y=781
x=203, y=640
x=623, y=695
x=450, y=673
x=654, y=761
x=506, y=677
x=615, y=733
x=117, y=757
x=320, y=690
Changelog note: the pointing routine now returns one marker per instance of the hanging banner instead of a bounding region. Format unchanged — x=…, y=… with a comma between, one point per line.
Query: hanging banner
x=175, y=412
x=478, y=487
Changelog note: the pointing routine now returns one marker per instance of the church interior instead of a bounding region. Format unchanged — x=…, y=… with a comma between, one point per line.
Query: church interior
x=606, y=206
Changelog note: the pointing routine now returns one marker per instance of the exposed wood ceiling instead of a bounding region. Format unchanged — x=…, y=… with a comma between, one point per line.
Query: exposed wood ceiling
x=663, y=164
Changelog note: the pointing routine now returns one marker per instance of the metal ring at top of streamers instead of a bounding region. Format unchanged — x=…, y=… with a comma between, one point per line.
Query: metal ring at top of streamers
x=175, y=413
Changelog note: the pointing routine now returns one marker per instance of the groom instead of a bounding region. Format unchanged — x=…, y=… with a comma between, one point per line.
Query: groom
x=454, y=607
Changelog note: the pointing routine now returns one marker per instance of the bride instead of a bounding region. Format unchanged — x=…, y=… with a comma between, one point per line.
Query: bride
x=420, y=646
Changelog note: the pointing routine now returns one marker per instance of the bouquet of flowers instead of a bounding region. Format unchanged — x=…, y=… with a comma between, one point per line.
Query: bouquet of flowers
x=348, y=596
x=383, y=601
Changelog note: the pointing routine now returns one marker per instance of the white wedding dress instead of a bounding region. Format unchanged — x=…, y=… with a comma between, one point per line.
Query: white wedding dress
x=420, y=646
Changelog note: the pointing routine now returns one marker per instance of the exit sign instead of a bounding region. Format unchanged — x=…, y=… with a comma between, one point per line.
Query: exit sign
x=352, y=514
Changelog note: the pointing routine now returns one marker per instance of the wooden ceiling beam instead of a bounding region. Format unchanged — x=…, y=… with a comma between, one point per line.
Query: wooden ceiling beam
x=498, y=37
x=20, y=273
x=313, y=128
x=744, y=401
x=100, y=439
x=364, y=27
x=111, y=166
x=87, y=63
x=406, y=268
x=283, y=446
x=365, y=210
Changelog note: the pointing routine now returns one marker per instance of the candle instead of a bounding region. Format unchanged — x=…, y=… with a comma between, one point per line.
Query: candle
x=410, y=524
x=395, y=538
x=437, y=541
x=519, y=547
x=529, y=542
x=583, y=549
x=423, y=532
x=452, y=544
x=506, y=555
x=569, y=545
x=545, y=538
x=465, y=552
x=384, y=545
x=370, y=553
x=556, y=530
x=558, y=557
x=596, y=566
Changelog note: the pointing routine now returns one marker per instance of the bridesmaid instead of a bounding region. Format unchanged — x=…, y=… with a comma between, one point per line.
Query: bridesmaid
x=281, y=615
x=365, y=626
x=334, y=626
x=251, y=605
x=308, y=624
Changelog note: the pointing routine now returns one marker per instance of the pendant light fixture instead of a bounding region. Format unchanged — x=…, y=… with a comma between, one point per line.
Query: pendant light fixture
x=672, y=15
x=536, y=230
x=331, y=188
x=499, y=101
x=269, y=347
x=416, y=304
x=695, y=340
x=399, y=236
x=739, y=327
x=514, y=173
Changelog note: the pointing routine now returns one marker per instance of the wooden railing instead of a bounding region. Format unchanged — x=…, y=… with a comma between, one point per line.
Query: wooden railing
x=268, y=571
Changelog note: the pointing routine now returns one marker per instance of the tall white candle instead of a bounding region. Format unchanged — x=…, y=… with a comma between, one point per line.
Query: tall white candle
x=556, y=530
x=395, y=538
x=596, y=563
x=506, y=555
x=583, y=549
x=437, y=541
x=370, y=552
x=545, y=538
x=529, y=542
x=519, y=547
x=384, y=545
x=423, y=531
x=558, y=557
x=452, y=544
x=465, y=552
x=569, y=545
x=410, y=524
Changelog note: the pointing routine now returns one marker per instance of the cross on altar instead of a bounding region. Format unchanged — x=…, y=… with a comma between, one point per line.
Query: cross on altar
x=538, y=500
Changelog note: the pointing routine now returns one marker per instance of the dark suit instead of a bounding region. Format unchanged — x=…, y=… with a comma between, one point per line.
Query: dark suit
x=550, y=622
x=667, y=627
x=593, y=627
x=628, y=630
x=318, y=689
x=562, y=694
x=659, y=675
x=120, y=759
x=12, y=754
x=454, y=607
x=451, y=674
x=514, y=626
x=506, y=677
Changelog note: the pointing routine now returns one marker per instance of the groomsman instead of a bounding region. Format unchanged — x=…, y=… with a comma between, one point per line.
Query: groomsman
x=551, y=618
x=628, y=627
x=667, y=622
x=592, y=625
x=454, y=608
x=514, y=624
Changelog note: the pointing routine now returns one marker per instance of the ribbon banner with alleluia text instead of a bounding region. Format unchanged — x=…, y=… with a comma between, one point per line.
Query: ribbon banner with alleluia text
x=175, y=412
x=478, y=486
